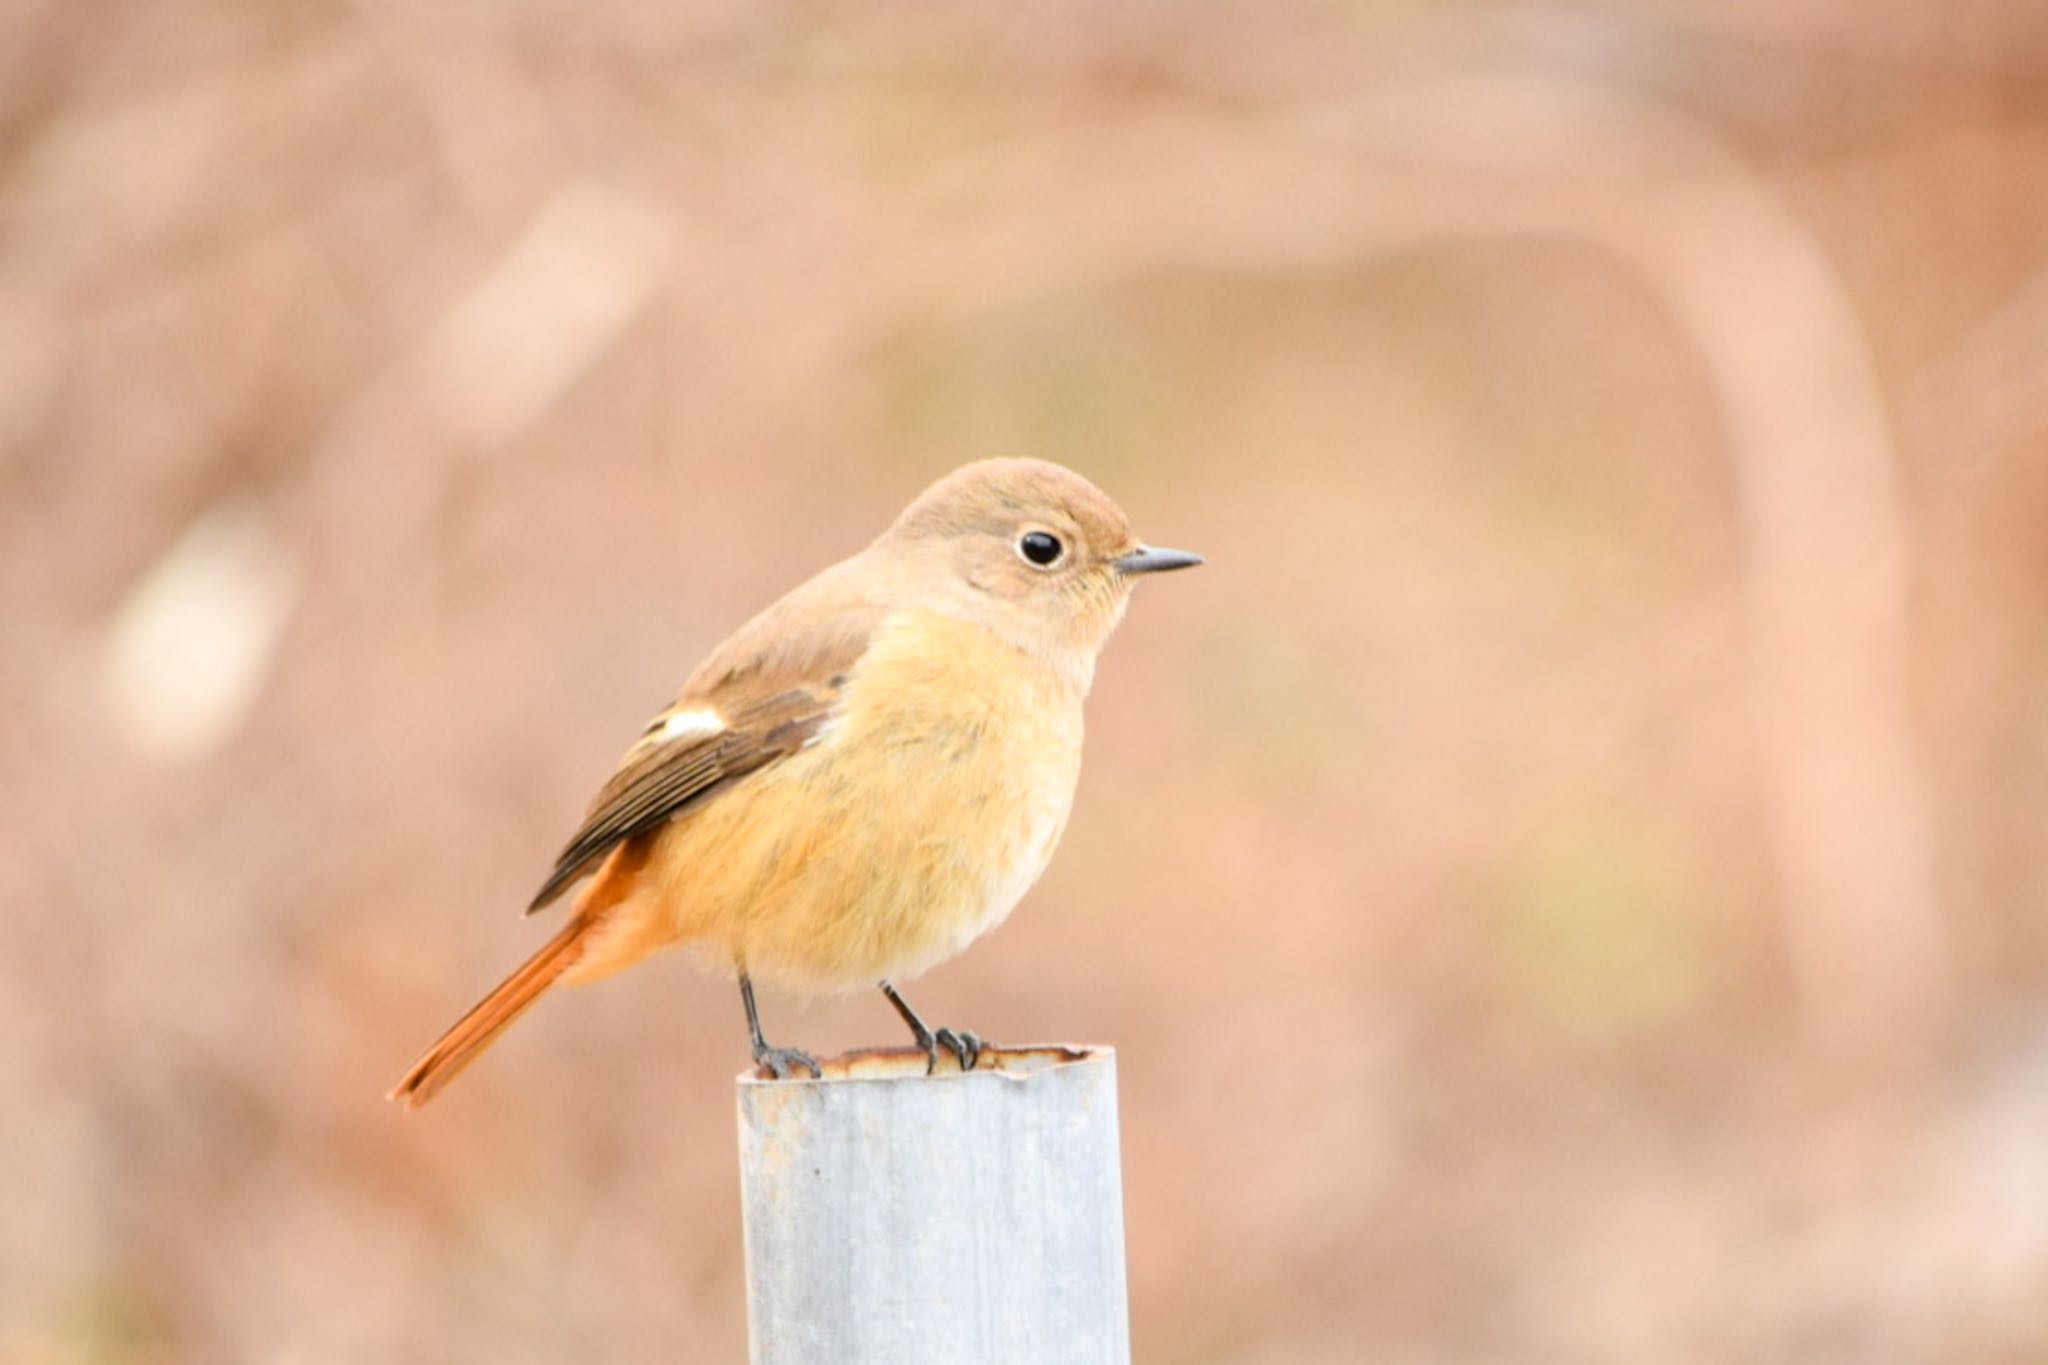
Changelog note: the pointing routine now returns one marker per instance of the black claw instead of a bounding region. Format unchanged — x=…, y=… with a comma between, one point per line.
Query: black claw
x=781, y=1062
x=777, y=1061
x=962, y=1043
x=930, y=1043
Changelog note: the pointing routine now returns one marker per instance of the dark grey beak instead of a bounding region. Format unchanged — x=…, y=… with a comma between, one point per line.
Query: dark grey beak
x=1145, y=559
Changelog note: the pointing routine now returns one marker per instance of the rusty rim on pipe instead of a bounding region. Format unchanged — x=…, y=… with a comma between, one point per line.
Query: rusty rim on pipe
x=905, y=1063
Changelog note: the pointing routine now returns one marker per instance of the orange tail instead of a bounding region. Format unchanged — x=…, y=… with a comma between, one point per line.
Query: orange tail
x=478, y=1029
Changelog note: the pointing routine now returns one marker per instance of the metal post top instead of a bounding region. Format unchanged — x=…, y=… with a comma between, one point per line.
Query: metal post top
x=897, y=1064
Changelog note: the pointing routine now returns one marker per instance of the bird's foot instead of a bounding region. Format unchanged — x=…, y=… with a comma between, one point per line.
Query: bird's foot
x=963, y=1044
x=783, y=1062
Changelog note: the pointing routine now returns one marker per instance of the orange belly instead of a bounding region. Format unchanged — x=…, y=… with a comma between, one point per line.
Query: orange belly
x=914, y=824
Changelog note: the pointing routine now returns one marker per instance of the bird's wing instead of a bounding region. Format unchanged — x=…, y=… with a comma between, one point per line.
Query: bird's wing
x=761, y=697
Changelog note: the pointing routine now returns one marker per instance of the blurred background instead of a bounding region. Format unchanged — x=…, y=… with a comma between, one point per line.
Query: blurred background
x=1566, y=881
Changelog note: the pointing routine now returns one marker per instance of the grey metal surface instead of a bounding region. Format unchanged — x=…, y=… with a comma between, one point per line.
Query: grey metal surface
x=962, y=1217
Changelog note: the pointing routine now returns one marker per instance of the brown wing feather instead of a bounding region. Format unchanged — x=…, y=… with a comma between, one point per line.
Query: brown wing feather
x=775, y=682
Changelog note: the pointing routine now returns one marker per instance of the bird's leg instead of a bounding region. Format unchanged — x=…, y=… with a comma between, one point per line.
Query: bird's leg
x=958, y=1041
x=924, y=1036
x=780, y=1061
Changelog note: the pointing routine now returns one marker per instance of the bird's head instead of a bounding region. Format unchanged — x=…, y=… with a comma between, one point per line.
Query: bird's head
x=1027, y=548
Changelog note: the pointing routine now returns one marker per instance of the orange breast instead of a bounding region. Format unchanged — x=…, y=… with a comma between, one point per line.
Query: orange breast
x=915, y=823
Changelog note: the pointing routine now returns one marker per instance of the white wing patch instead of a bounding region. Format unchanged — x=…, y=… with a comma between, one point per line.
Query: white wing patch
x=697, y=720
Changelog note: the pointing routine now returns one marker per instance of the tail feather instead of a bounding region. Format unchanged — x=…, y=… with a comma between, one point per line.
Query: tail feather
x=491, y=1016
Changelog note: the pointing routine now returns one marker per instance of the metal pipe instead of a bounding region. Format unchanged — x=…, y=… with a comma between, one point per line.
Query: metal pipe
x=965, y=1217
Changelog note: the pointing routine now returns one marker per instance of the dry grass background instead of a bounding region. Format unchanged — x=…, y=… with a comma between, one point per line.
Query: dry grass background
x=1567, y=880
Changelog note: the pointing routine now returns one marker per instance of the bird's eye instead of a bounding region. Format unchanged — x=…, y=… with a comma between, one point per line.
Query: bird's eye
x=1041, y=548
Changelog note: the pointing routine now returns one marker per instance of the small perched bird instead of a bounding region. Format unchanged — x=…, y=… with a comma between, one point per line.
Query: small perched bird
x=863, y=779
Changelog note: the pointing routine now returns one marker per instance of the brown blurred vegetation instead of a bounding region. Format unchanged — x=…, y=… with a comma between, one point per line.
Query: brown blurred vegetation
x=1567, y=881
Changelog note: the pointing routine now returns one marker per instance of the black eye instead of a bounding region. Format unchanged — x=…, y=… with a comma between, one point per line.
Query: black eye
x=1041, y=548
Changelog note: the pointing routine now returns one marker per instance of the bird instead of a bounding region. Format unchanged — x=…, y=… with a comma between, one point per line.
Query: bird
x=861, y=780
